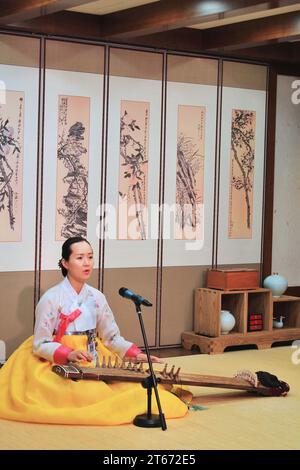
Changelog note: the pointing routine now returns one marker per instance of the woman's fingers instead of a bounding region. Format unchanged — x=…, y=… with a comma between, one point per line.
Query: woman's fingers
x=81, y=356
x=143, y=358
x=157, y=359
x=85, y=356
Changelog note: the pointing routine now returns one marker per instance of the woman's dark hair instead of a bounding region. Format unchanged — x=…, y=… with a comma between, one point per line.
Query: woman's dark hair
x=66, y=251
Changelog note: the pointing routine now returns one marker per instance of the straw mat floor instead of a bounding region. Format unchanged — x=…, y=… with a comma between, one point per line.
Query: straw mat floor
x=233, y=420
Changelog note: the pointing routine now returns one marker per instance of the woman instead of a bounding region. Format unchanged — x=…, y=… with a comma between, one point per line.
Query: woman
x=74, y=324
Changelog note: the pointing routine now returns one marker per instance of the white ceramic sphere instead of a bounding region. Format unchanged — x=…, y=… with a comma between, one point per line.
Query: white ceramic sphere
x=277, y=284
x=227, y=322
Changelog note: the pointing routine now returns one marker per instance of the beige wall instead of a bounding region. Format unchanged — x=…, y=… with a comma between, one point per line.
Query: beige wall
x=286, y=213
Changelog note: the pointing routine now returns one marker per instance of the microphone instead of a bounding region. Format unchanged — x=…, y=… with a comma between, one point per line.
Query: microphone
x=124, y=292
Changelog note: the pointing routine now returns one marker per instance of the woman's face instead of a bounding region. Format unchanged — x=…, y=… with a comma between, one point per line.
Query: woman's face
x=80, y=263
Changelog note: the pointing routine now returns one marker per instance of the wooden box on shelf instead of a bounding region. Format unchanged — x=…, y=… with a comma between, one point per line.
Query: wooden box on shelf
x=232, y=279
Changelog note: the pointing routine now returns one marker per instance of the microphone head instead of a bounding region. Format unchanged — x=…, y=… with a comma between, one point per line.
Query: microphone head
x=128, y=294
x=122, y=291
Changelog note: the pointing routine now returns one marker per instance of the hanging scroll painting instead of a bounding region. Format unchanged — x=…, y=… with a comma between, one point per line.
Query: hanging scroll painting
x=18, y=165
x=242, y=161
x=190, y=173
x=241, y=176
x=72, y=166
x=132, y=241
x=190, y=165
x=11, y=166
x=133, y=170
x=72, y=147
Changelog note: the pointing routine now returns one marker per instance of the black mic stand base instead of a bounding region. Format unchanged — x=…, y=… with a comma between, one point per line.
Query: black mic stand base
x=148, y=420
x=144, y=421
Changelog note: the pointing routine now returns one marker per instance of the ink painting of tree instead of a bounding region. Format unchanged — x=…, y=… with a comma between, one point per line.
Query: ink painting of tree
x=133, y=170
x=11, y=166
x=190, y=173
x=72, y=166
x=242, y=158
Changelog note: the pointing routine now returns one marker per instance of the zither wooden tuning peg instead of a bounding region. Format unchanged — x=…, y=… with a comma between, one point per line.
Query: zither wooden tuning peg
x=171, y=373
x=164, y=372
x=176, y=376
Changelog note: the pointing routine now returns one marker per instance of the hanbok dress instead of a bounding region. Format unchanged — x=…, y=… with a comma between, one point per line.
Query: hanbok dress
x=31, y=392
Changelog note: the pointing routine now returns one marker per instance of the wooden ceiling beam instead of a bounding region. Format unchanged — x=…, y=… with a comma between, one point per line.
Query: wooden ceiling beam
x=189, y=40
x=84, y=26
x=284, y=57
x=183, y=39
x=278, y=52
x=65, y=23
x=13, y=11
x=165, y=15
x=273, y=29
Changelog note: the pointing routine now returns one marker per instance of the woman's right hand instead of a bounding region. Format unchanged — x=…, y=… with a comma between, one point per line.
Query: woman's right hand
x=79, y=355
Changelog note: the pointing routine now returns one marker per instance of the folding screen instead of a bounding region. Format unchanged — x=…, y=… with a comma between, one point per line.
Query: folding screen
x=111, y=147
x=132, y=192
x=19, y=102
x=72, y=150
x=189, y=188
x=241, y=163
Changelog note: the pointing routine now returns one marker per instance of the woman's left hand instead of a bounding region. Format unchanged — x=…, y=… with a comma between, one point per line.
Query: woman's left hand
x=143, y=358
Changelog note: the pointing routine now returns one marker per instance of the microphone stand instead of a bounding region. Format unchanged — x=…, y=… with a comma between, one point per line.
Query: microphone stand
x=149, y=420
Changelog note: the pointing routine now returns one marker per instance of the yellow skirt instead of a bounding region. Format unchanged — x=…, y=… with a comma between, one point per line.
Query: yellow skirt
x=31, y=392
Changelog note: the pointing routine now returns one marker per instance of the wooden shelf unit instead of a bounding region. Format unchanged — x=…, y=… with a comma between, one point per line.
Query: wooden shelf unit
x=209, y=303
